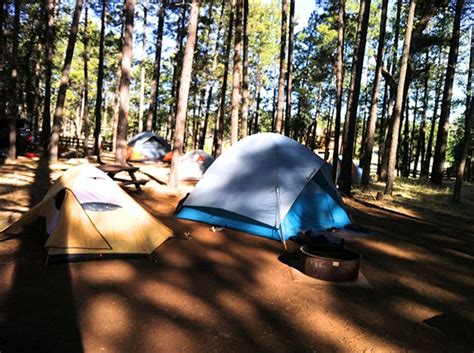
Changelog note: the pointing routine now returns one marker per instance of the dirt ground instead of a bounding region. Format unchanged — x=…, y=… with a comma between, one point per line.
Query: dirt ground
x=227, y=291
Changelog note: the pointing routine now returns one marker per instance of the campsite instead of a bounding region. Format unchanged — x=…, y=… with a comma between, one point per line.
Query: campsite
x=236, y=176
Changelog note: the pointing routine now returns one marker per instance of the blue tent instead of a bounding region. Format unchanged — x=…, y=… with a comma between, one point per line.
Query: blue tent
x=268, y=185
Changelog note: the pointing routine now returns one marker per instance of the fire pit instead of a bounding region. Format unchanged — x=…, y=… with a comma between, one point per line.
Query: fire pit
x=330, y=262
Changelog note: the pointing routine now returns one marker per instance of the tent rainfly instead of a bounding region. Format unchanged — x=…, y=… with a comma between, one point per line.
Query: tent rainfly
x=146, y=146
x=89, y=216
x=267, y=185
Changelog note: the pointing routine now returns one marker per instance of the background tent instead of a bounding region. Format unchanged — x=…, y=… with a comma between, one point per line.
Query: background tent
x=88, y=215
x=147, y=146
x=268, y=185
x=356, y=171
x=192, y=165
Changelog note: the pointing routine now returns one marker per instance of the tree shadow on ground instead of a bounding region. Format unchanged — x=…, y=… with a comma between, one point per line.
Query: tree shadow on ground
x=40, y=315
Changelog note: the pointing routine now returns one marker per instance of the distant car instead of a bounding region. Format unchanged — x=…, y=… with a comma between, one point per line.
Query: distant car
x=25, y=141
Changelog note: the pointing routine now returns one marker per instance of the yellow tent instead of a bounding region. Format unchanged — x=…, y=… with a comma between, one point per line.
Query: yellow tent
x=88, y=215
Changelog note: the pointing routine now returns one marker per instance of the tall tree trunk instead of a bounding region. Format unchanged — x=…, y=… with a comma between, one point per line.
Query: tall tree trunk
x=206, y=110
x=289, y=71
x=369, y=145
x=442, y=137
x=100, y=83
x=85, y=116
x=256, y=124
x=142, y=70
x=429, y=148
x=382, y=173
x=3, y=49
x=37, y=88
x=339, y=83
x=220, y=119
x=411, y=149
x=468, y=122
x=399, y=100
x=58, y=113
x=353, y=101
x=281, y=81
x=234, y=119
x=404, y=168
x=245, y=72
x=126, y=65
x=13, y=82
x=184, y=92
x=152, y=116
x=421, y=144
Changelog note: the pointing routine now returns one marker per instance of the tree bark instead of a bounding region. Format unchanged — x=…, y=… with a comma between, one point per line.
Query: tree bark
x=100, y=83
x=3, y=49
x=375, y=98
x=152, y=116
x=13, y=82
x=382, y=172
x=281, y=81
x=58, y=113
x=429, y=149
x=142, y=70
x=126, y=65
x=202, y=138
x=219, y=129
x=399, y=100
x=421, y=144
x=289, y=71
x=353, y=101
x=85, y=56
x=184, y=92
x=442, y=136
x=234, y=119
x=245, y=73
x=339, y=83
x=467, y=126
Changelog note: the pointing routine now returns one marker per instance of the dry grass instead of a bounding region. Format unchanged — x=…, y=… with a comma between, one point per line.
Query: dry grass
x=415, y=197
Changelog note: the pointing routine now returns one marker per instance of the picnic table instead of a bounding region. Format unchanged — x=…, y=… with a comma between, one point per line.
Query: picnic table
x=113, y=169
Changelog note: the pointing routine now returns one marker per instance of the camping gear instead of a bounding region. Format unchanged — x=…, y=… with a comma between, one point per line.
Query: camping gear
x=330, y=262
x=146, y=146
x=192, y=165
x=88, y=216
x=267, y=185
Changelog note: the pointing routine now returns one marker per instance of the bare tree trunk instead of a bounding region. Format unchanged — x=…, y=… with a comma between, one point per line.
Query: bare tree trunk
x=13, y=82
x=152, y=117
x=339, y=83
x=85, y=115
x=442, y=137
x=353, y=101
x=100, y=83
x=234, y=120
x=399, y=100
x=219, y=129
x=58, y=113
x=126, y=65
x=3, y=49
x=206, y=110
x=429, y=149
x=245, y=73
x=369, y=145
x=142, y=70
x=421, y=145
x=404, y=167
x=184, y=91
x=281, y=82
x=382, y=173
x=411, y=149
x=467, y=126
x=289, y=71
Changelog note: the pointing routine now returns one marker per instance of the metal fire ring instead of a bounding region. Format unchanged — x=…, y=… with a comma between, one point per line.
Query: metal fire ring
x=330, y=263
